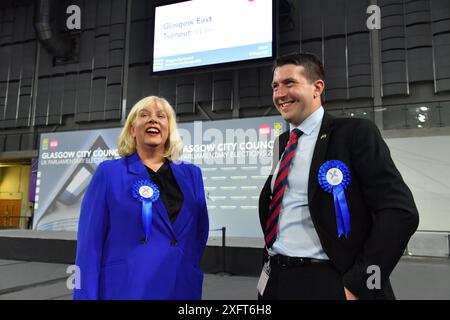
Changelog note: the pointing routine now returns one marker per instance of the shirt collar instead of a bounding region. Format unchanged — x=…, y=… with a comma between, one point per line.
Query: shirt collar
x=309, y=124
x=165, y=167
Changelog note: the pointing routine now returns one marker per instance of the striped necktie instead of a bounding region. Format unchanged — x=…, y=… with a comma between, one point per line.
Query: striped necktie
x=271, y=228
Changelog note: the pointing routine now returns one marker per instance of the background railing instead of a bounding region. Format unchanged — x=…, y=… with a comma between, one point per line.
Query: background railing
x=434, y=114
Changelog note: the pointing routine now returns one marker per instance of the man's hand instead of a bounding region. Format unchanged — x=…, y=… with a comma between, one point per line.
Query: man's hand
x=349, y=295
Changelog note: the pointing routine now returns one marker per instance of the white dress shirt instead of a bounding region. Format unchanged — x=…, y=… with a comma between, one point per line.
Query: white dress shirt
x=297, y=236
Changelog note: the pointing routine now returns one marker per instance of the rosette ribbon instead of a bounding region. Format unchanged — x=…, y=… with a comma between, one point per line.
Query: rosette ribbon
x=334, y=177
x=146, y=192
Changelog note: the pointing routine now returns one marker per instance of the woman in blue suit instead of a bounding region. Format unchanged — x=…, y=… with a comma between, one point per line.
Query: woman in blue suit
x=143, y=223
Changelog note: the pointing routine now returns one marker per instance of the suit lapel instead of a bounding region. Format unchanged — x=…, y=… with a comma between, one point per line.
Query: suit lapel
x=283, y=142
x=319, y=154
x=183, y=216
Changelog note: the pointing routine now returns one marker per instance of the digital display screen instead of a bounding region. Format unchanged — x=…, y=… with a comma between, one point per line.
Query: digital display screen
x=208, y=32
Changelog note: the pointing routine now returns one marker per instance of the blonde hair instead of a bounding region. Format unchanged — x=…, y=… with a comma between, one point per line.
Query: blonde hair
x=127, y=143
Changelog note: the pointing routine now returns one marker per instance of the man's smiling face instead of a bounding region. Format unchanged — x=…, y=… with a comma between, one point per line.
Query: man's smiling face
x=294, y=96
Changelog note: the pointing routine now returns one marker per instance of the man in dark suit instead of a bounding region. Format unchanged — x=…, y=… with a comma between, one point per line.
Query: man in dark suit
x=333, y=229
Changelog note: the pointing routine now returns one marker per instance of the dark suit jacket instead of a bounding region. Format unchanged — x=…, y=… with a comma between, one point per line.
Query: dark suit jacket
x=383, y=215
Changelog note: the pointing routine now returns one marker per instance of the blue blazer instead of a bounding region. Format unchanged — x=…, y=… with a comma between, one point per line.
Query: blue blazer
x=112, y=261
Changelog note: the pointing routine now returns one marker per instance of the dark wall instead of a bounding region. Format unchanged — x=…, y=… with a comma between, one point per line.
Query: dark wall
x=414, y=53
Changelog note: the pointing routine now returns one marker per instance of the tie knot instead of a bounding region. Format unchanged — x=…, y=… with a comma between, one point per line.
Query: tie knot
x=295, y=134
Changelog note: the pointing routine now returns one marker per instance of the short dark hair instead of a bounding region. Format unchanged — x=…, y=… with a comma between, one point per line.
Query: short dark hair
x=311, y=63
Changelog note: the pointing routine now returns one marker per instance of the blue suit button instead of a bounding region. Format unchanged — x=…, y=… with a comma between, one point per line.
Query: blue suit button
x=173, y=242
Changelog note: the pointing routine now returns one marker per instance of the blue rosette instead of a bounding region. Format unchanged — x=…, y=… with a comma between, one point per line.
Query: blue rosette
x=334, y=177
x=146, y=192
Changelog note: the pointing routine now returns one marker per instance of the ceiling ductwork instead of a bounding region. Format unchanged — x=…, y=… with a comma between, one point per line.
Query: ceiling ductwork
x=47, y=18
